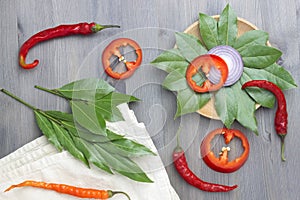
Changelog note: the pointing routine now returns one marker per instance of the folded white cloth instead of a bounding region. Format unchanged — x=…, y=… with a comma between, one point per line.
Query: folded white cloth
x=40, y=161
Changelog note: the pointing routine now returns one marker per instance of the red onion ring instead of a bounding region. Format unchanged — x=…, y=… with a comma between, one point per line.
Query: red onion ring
x=234, y=62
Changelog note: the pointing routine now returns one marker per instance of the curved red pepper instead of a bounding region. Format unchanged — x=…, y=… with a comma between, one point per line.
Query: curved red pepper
x=222, y=164
x=55, y=32
x=113, y=49
x=206, y=62
x=186, y=173
x=281, y=117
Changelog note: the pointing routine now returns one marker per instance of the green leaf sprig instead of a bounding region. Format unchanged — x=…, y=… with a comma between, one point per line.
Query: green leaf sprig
x=83, y=132
x=231, y=103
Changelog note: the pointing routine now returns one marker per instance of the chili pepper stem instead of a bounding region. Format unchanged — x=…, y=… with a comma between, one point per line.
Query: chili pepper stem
x=99, y=27
x=282, y=147
x=112, y=193
x=18, y=99
x=178, y=147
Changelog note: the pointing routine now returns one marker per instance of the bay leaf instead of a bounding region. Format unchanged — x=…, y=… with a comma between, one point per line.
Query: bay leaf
x=123, y=165
x=208, y=30
x=60, y=115
x=274, y=73
x=67, y=142
x=80, y=132
x=127, y=148
x=170, y=60
x=260, y=56
x=46, y=127
x=251, y=38
x=188, y=101
x=189, y=46
x=232, y=103
x=176, y=80
x=92, y=154
x=227, y=26
x=107, y=105
x=85, y=89
x=88, y=117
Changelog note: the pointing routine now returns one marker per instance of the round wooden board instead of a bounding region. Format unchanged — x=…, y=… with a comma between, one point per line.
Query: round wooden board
x=208, y=110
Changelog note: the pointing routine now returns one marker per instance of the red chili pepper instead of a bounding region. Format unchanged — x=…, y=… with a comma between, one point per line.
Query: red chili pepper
x=182, y=168
x=281, y=117
x=113, y=49
x=206, y=62
x=70, y=190
x=222, y=164
x=59, y=31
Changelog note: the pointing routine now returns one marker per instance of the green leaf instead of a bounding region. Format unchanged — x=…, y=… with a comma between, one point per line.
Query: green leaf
x=251, y=38
x=88, y=117
x=127, y=148
x=233, y=103
x=77, y=131
x=67, y=142
x=189, y=46
x=274, y=73
x=92, y=154
x=170, y=60
x=227, y=27
x=263, y=97
x=226, y=105
x=116, y=98
x=175, y=80
x=113, y=136
x=47, y=129
x=246, y=110
x=208, y=30
x=106, y=105
x=85, y=89
x=259, y=56
x=188, y=101
x=60, y=115
x=123, y=165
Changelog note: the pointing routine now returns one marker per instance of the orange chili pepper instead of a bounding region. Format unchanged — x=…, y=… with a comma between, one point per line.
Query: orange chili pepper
x=206, y=62
x=113, y=49
x=70, y=190
x=222, y=164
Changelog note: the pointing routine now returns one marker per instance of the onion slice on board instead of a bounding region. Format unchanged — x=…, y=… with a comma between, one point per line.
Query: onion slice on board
x=234, y=62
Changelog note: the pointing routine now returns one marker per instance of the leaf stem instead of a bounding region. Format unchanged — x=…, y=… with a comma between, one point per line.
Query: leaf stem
x=50, y=91
x=57, y=93
x=18, y=99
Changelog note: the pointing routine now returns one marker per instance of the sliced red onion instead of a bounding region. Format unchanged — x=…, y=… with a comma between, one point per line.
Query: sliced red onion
x=234, y=63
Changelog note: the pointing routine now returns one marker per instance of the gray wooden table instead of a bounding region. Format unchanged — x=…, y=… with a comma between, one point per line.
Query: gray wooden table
x=152, y=24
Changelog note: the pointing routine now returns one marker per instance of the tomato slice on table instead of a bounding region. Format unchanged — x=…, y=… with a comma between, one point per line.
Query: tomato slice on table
x=205, y=63
x=222, y=163
x=113, y=50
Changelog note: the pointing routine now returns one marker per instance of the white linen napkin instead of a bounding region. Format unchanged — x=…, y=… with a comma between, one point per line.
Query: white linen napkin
x=40, y=161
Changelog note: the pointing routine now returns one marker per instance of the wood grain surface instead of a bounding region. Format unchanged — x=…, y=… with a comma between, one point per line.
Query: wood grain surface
x=152, y=24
